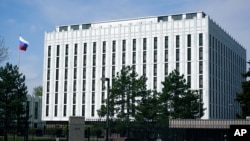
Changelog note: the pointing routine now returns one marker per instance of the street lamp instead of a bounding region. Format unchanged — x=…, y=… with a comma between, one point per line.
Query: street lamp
x=107, y=105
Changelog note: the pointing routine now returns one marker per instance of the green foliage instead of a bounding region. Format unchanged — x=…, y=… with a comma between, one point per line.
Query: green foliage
x=127, y=89
x=3, y=50
x=13, y=93
x=178, y=99
x=244, y=97
x=136, y=108
x=38, y=91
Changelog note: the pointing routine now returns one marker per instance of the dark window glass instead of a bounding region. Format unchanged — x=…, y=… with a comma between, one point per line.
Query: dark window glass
x=189, y=40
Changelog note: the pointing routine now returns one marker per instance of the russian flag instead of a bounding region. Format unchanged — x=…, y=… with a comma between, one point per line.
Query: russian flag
x=23, y=44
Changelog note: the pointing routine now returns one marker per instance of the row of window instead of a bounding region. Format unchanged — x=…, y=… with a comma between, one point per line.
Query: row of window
x=224, y=65
x=113, y=67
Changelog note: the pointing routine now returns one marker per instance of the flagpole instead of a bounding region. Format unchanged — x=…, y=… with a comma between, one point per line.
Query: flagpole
x=19, y=59
x=19, y=54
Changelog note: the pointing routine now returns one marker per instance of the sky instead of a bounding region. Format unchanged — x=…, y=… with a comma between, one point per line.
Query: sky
x=32, y=18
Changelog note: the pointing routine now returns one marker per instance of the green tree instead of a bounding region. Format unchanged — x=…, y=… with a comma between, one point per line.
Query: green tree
x=13, y=93
x=38, y=91
x=244, y=97
x=147, y=115
x=3, y=50
x=127, y=88
x=178, y=100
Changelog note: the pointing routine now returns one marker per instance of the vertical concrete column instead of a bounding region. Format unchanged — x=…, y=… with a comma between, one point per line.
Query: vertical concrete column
x=76, y=128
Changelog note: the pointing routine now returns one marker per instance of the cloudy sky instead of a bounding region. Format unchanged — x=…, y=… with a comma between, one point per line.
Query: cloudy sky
x=31, y=18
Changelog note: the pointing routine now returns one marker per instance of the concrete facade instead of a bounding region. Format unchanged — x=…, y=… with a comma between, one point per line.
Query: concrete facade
x=76, y=57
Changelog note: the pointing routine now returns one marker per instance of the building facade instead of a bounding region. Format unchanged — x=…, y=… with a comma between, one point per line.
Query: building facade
x=76, y=57
x=34, y=104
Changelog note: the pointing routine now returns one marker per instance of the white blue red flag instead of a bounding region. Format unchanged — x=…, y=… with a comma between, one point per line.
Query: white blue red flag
x=23, y=44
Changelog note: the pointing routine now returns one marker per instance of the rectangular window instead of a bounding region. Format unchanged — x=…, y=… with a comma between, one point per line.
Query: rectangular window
x=74, y=98
x=48, y=75
x=166, y=55
x=166, y=42
x=74, y=110
x=57, y=50
x=83, y=110
x=104, y=47
x=113, y=71
x=57, y=62
x=93, y=85
x=103, y=97
x=93, y=97
x=94, y=47
x=144, y=43
x=155, y=69
x=67, y=49
x=75, y=61
x=155, y=56
x=47, y=110
x=134, y=44
x=47, y=98
x=189, y=54
x=93, y=72
x=64, y=110
x=155, y=82
x=123, y=45
x=144, y=56
x=49, y=63
x=75, y=49
x=84, y=73
x=166, y=68
x=134, y=57
x=84, y=48
x=75, y=73
x=200, y=39
x=189, y=68
x=56, y=98
x=83, y=85
x=84, y=60
x=93, y=110
x=113, y=46
x=65, y=98
x=200, y=81
x=113, y=59
x=177, y=41
x=189, y=40
x=103, y=59
x=155, y=42
x=94, y=60
x=48, y=84
x=66, y=61
x=177, y=17
x=83, y=98
x=189, y=80
x=123, y=58
x=74, y=85
x=177, y=55
x=178, y=66
x=56, y=87
x=144, y=69
x=200, y=67
x=49, y=51
x=200, y=53
x=55, y=112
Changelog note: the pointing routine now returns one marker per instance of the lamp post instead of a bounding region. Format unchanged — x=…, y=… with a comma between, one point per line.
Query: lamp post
x=107, y=105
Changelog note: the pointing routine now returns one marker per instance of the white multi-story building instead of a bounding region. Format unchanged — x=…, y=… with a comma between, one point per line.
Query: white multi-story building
x=77, y=56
